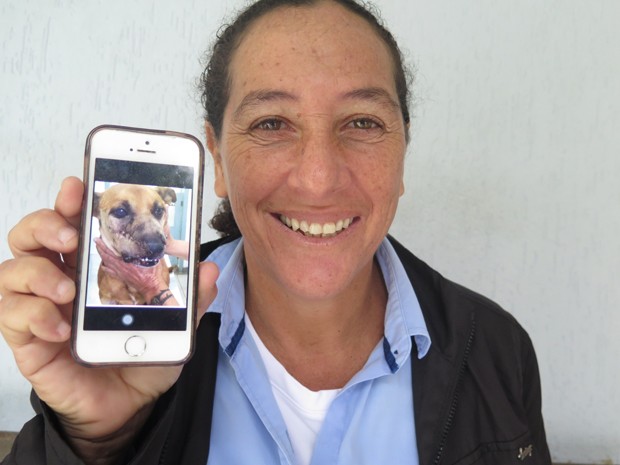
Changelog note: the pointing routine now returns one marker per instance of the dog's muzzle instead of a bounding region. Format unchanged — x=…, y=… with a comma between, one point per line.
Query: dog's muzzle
x=153, y=251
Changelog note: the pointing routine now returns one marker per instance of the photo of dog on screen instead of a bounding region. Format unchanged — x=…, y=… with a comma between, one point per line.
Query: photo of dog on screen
x=133, y=225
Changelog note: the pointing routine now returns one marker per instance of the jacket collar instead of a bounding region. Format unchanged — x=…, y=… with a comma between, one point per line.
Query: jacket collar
x=437, y=377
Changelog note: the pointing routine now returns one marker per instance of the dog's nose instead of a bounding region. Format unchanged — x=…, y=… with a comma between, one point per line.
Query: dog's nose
x=155, y=247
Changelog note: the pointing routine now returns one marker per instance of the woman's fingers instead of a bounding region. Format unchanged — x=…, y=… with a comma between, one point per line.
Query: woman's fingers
x=207, y=290
x=69, y=206
x=52, y=234
x=69, y=200
x=38, y=276
x=31, y=289
x=41, y=230
x=24, y=318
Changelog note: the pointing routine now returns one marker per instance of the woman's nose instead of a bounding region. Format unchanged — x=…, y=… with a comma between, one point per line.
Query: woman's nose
x=320, y=167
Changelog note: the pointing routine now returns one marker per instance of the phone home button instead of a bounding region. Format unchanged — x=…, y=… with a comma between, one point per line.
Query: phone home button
x=135, y=346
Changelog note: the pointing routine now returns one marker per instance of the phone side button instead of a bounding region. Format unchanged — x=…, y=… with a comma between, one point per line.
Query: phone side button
x=135, y=346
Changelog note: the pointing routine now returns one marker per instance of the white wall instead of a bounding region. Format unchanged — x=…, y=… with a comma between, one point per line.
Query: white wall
x=511, y=174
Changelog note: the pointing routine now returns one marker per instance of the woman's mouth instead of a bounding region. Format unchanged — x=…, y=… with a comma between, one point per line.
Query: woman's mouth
x=317, y=229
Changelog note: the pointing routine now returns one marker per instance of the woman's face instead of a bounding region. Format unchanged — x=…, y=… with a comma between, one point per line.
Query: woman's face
x=313, y=138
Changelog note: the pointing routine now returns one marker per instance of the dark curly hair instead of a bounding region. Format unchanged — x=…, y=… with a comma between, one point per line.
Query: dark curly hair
x=215, y=80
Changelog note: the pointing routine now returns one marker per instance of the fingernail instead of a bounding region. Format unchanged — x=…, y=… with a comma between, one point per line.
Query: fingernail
x=64, y=288
x=66, y=234
x=63, y=329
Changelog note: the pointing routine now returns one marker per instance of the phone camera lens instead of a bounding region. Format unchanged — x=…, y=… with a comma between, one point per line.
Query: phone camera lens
x=147, y=142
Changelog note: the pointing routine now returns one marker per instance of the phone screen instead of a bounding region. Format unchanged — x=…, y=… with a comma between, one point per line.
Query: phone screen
x=137, y=207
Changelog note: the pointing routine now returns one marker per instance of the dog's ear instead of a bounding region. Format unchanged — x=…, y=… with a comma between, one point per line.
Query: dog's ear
x=96, y=205
x=168, y=195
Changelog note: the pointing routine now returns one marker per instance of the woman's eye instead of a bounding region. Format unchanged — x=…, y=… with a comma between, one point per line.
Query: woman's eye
x=271, y=124
x=364, y=123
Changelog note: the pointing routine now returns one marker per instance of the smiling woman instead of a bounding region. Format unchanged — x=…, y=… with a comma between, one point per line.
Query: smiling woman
x=291, y=147
x=328, y=342
x=301, y=145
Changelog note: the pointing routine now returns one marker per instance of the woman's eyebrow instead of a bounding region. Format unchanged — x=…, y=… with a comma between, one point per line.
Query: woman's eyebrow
x=254, y=98
x=375, y=94
x=259, y=96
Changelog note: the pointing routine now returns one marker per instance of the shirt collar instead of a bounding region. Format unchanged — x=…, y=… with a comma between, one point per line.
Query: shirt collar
x=403, y=318
x=230, y=299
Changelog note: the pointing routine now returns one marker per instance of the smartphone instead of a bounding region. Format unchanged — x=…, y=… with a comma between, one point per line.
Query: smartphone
x=136, y=292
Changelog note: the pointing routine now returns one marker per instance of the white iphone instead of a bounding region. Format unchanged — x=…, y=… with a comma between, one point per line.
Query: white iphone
x=137, y=258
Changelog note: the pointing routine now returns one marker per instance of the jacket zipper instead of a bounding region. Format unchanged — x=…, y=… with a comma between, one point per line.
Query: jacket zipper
x=163, y=453
x=455, y=398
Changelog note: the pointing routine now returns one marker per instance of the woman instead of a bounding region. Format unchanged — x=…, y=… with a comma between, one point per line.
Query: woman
x=335, y=345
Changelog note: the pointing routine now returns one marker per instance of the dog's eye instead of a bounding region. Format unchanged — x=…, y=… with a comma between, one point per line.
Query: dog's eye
x=157, y=212
x=119, y=212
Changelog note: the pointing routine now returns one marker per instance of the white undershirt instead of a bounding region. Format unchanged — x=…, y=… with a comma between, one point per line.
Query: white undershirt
x=303, y=410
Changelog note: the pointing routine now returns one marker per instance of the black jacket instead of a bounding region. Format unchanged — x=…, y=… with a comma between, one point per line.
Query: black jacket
x=476, y=393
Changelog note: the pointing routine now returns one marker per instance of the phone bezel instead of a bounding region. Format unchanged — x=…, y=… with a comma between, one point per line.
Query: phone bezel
x=107, y=347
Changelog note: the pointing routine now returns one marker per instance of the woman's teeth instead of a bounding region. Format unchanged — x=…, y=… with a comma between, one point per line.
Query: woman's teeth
x=316, y=229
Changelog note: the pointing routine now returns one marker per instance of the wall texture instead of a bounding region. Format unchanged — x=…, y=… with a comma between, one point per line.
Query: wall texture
x=511, y=177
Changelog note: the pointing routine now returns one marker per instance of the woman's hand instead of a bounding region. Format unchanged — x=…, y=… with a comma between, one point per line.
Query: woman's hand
x=37, y=291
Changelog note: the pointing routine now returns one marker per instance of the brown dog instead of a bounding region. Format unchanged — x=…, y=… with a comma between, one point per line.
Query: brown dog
x=132, y=220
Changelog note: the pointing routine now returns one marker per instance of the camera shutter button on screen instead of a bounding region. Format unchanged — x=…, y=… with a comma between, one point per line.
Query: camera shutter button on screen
x=135, y=346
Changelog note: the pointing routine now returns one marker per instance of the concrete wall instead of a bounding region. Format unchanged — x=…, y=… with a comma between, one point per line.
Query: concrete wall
x=511, y=177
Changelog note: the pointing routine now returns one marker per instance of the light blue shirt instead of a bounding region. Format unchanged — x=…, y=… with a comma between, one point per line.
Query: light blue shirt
x=371, y=420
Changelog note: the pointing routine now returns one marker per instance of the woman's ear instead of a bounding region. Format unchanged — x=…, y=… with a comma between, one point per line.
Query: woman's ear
x=213, y=145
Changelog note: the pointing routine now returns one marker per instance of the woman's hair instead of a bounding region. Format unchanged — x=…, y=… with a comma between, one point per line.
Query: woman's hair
x=215, y=80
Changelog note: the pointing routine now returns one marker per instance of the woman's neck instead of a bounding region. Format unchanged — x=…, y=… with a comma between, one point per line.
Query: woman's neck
x=321, y=342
